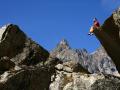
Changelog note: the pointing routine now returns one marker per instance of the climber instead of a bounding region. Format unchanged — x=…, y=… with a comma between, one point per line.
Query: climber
x=96, y=25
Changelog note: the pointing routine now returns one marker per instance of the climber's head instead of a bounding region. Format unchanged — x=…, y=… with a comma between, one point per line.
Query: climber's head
x=94, y=19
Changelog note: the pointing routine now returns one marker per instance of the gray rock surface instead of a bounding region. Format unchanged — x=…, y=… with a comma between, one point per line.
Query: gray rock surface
x=109, y=37
x=22, y=61
x=72, y=74
x=102, y=62
x=19, y=48
x=26, y=79
x=96, y=62
x=12, y=40
x=80, y=81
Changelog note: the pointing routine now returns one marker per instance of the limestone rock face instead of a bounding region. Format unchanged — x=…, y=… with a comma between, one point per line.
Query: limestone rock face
x=80, y=81
x=63, y=45
x=77, y=64
x=102, y=62
x=22, y=61
x=74, y=72
x=95, y=62
x=109, y=37
x=19, y=48
x=71, y=58
x=26, y=79
x=12, y=40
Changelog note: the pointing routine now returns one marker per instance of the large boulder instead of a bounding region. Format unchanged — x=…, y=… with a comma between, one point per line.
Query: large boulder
x=19, y=48
x=12, y=40
x=71, y=66
x=24, y=65
x=29, y=78
x=109, y=37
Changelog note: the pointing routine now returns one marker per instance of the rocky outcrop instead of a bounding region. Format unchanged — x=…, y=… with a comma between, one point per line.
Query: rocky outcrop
x=96, y=62
x=109, y=37
x=19, y=48
x=72, y=73
x=26, y=79
x=107, y=83
x=63, y=45
x=102, y=62
x=12, y=40
x=81, y=81
x=69, y=56
x=22, y=61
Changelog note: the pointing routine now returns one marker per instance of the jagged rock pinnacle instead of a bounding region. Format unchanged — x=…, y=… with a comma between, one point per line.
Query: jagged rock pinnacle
x=2, y=30
x=62, y=45
x=64, y=42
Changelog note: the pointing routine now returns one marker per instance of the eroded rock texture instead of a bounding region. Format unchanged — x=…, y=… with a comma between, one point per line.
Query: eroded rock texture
x=22, y=61
x=109, y=37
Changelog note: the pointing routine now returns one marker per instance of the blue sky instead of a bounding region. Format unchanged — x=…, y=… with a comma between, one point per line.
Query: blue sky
x=49, y=21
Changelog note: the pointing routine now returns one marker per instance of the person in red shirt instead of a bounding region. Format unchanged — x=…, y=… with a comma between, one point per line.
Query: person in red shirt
x=96, y=25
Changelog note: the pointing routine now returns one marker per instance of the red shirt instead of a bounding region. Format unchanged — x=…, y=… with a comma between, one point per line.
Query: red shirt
x=96, y=24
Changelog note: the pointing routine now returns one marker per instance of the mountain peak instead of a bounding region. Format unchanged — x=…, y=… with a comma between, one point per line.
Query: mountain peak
x=2, y=30
x=63, y=42
x=62, y=45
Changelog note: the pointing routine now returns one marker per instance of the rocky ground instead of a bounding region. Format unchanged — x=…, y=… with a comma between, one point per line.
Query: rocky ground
x=25, y=65
x=81, y=70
